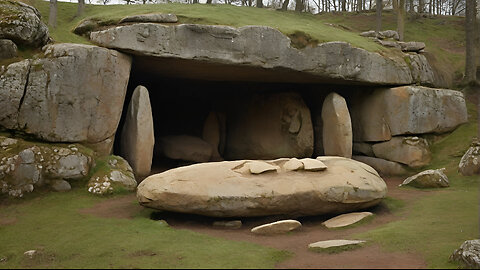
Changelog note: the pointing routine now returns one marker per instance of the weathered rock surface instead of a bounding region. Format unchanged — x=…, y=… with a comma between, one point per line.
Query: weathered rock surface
x=407, y=110
x=334, y=243
x=117, y=175
x=151, y=18
x=257, y=46
x=138, y=137
x=184, y=147
x=412, y=151
x=74, y=94
x=470, y=162
x=282, y=226
x=412, y=46
x=382, y=166
x=337, y=127
x=428, y=179
x=313, y=165
x=421, y=69
x=12, y=84
x=346, y=219
x=21, y=23
x=468, y=255
x=227, y=189
x=8, y=49
x=262, y=123
x=85, y=27
x=389, y=34
x=26, y=165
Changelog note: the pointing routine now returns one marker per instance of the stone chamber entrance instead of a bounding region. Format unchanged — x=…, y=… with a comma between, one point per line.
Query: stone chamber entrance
x=210, y=112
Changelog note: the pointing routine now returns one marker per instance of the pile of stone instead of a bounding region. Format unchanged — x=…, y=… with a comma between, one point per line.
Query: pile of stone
x=390, y=38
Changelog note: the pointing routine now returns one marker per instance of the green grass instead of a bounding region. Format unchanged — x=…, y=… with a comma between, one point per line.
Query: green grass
x=52, y=224
x=440, y=222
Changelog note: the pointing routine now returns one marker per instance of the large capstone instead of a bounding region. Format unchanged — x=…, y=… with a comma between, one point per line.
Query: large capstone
x=254, y=47
x=337, y=127
x=407, y=110
x=229, y=188
x=21, y=23
x=268, y=126
x=74, y=94
x=137, y=133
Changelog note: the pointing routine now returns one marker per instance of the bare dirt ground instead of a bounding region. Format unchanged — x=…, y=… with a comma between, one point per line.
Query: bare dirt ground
x=369, y=256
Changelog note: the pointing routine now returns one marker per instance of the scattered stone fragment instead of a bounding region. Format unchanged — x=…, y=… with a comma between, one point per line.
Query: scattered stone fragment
x=151, y=18
x=282, y=226
x=346, y=219
x=412, y=46
x=428, y=179
x=468, y=255
x=230, y=224
x=61, y=185
x=470, y=162
x=293, y=165
x=30, y=253
x=313, y=165
x=258, y=167
x=323, y=245
x=85, y=27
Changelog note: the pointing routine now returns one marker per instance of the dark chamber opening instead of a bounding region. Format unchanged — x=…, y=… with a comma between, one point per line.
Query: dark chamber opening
x=181, y=101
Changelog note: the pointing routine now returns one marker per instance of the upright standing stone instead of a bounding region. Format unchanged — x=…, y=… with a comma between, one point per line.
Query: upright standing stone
x=137, y=134
x=337, y=127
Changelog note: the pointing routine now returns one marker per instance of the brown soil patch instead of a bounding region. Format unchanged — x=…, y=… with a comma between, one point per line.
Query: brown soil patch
x=7, y=220
x=369, y=256
x=120, y=207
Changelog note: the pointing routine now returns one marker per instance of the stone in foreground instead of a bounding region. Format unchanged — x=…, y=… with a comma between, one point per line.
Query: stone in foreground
x=345, y=219
x=282, y=226
x=468, y=255
x=229, y=189
x=428, y=179
x=412, y=151
x=334, y=243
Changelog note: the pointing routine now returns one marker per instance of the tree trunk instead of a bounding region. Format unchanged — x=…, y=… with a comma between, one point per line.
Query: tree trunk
x=209, y=1
x=379, y=7
x=470, y=66
x=259, y=3
x=52, y=17
x=401, y=18
x=81, y=8
x=359, y=5
x=285, y=4
x=344, y=5
x=421, y=6
x=410, y=6
x=299, y=5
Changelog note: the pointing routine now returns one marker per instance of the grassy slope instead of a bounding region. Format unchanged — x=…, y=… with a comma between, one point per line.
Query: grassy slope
x=52, y=224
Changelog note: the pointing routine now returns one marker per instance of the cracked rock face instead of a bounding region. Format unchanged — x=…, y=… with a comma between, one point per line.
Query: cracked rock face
x=257, y=46
x=229, y=188
x=21, y=23
x=468, y=255
x=74, y=94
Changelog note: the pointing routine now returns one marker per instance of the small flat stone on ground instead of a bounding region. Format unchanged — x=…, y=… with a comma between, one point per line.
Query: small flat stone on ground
x=334, y=243
x=346, y=219
x=282, y=226
x=228, y=224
